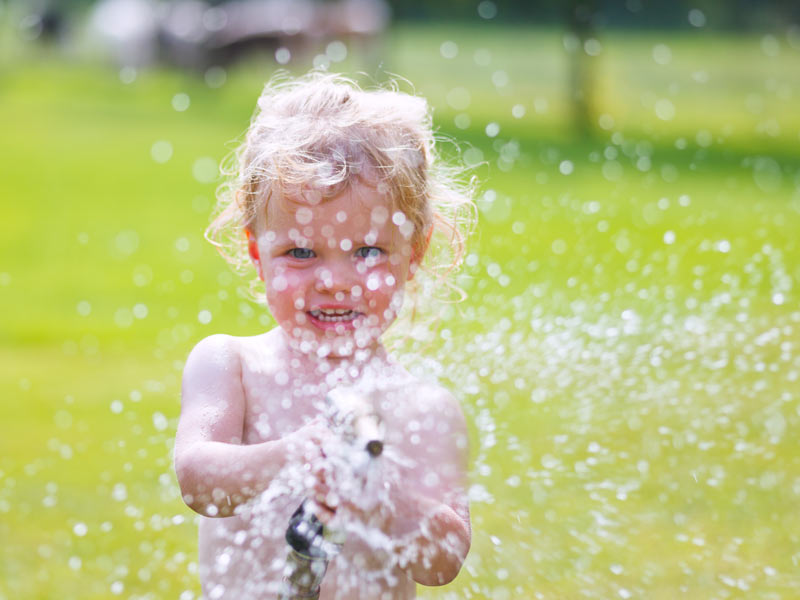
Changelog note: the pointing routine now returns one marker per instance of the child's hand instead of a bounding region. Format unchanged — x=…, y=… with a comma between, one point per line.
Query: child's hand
x=311, y=439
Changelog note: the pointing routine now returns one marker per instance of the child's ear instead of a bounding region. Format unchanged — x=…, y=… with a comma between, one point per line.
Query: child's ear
x=252, y=250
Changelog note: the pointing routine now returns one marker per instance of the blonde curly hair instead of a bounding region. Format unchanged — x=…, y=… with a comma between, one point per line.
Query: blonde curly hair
x=322, y=131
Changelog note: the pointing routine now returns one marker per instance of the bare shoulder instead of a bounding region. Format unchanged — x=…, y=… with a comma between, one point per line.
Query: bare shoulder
x=216, y=352
x=428, y=416
x=212, y=396
x=433, y=398
x=225, y=355
x=262, y=353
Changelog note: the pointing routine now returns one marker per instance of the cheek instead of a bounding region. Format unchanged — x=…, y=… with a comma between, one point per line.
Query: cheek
x=287, y=291
x=382, y=289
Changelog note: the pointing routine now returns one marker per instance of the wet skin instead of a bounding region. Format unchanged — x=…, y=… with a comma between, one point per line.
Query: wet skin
x=334, y=269
x=250, y=437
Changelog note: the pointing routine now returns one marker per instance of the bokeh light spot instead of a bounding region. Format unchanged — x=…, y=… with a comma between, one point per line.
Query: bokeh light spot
x=161, y=151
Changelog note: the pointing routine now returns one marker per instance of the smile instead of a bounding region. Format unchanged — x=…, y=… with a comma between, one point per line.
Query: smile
x=334, y=315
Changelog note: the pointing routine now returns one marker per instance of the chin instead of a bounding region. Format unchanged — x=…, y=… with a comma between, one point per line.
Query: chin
x=339, y=348
x=346, y=346
x=330, y=345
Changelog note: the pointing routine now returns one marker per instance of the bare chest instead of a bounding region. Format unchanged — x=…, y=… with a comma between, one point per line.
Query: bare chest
x=277, y=403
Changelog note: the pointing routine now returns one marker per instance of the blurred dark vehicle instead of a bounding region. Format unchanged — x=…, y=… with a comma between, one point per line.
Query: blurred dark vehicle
x=195, y=34
x=45, y=22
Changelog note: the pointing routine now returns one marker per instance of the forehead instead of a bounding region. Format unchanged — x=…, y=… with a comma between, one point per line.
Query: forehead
x=359, y=208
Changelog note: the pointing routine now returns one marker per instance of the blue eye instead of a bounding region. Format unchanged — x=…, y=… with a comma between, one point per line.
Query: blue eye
x=369, y=252
x=301, y=253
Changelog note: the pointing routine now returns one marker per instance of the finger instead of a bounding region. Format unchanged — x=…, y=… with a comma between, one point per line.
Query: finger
x=325, y=513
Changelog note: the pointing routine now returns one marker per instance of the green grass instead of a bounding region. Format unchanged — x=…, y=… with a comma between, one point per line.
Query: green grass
x=627, y=359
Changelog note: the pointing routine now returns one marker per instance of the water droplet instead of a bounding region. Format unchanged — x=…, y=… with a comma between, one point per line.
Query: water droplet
x=487, y=9
x=126, y=242
x=182, y=244
x=459, y=98
x=770, y=46
x=336, y=51
x=448, y=49
x=205, y=169
x=63, y=419
x=662, y=54
x=127, y=75
x=161, y=151
x=664, y=109
x=215, y=77
x=697, y=18
x=473, y=156
x=482, y=57
x=160, y=422
x=550, y=462
x=119, y=492
x=142, y=275
x=321, y=62
x=181, y=102
x=606, y=121
x=704, y=138
x=123, y=317
x=612, y=170
x=767, y=174
x=593, y=47
x=500, y=78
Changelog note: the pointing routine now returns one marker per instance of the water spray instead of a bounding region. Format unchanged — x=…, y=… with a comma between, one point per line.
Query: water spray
x=312, y=545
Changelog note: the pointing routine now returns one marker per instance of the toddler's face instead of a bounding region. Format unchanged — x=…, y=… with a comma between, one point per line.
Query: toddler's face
x=335, y=270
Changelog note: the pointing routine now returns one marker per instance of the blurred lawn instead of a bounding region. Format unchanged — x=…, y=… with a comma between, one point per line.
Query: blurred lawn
x=628, y=356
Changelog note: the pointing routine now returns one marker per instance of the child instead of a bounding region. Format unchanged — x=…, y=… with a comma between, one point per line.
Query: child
x=335, y=200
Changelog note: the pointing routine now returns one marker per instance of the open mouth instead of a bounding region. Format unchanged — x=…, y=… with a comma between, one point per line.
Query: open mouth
x=334, y=315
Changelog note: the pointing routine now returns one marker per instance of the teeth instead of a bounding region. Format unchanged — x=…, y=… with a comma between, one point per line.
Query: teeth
x=333, y=314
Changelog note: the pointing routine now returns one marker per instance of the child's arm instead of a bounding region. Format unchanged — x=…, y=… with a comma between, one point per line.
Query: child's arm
x=436, y=549
x=432, y=511
x=428, y=513
x=215, y=471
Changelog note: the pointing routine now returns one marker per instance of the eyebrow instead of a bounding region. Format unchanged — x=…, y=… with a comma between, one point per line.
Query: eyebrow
x=283, y=241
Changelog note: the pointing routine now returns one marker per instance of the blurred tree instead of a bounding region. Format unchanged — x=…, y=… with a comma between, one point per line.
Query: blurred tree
x=582, y=46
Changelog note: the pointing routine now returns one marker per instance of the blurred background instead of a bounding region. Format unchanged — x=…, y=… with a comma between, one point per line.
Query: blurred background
x=628, y=356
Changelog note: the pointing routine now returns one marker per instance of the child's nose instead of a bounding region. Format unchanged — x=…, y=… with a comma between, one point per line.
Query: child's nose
x=335, y=279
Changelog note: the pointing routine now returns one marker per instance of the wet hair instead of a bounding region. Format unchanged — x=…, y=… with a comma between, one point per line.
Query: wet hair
x=322, y=133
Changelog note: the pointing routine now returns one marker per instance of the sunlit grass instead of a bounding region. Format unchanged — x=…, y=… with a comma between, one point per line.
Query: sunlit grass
x=627, y=358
